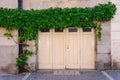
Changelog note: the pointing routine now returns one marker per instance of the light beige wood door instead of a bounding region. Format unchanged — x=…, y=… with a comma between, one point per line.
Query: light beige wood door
x=58, y=49
x=68, y=49
x=72, y=49
x=44, y=50
x=87, y=49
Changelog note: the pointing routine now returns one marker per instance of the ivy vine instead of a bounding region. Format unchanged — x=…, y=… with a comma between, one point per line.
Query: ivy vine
x=31, y=21
x=22, y=60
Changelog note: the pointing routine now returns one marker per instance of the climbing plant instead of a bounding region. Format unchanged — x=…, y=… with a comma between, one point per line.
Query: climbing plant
x=31, y=21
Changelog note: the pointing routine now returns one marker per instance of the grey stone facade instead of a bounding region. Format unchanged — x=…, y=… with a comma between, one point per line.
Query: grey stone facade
x=107, y=50
x=115, y=37
x=103, y=57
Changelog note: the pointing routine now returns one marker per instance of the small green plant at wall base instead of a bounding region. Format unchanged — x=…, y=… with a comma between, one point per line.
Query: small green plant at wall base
x=22, y=60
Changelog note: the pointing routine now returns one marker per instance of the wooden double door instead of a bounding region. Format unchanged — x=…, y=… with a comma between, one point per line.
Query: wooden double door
x=71, y=48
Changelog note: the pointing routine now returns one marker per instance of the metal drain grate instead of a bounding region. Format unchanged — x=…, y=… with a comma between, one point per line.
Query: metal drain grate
x=66, y=72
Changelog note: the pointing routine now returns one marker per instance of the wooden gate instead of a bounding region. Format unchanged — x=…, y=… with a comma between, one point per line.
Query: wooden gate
x=71, y=48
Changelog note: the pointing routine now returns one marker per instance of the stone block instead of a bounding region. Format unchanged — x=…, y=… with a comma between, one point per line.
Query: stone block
x=106, y=23
x=116, y=19
x=117, y=2
x=70, y=4
x=9, y=4
x=105, y=58
x=8, y=55
x=12, y=41
x=115, y=35
x=106, y=29
x=32, y=4
x=39, y=4
x=96, y=2
x=103, y=61
x=118, y=10
x=103, y=49
x=115, y=50
x=32, y=62
x=9, y=69
x=105, y=40
x=115, y=27
x=3, y=31
x=115, y=64
x=32, y=46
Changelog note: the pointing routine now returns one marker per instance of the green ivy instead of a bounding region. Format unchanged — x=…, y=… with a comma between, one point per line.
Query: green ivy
x=8, y=35
x=22, y=60
x=31, y=21
x=99, y=29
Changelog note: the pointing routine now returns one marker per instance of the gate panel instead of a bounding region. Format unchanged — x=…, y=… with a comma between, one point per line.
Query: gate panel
x=72, y=54
x=87, y=50
x=58, y=50
x=45, y=56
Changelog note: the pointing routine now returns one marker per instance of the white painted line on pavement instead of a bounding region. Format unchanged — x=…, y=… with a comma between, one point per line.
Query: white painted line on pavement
x=26, y=76
x=107, y=75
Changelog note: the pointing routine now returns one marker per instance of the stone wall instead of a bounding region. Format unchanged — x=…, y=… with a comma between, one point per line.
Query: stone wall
x=103, y=57
x=8, y=4
x=44, y=4
x=115, y=37
x=103, y=54
x=8, y=48
x=8, y=53
x=32, y=61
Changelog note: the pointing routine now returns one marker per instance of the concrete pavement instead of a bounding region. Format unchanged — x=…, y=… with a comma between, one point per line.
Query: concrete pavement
x=66, y=75
x=12, y=77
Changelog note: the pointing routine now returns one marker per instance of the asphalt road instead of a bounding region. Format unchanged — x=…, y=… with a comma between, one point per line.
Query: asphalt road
x=65, y=75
